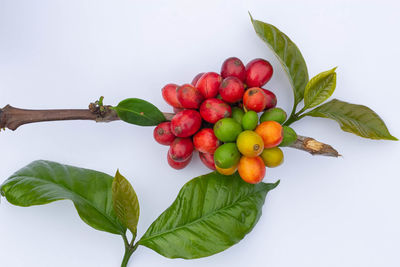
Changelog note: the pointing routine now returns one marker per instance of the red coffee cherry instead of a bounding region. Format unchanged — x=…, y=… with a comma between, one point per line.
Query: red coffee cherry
x=258, y=72
x=186, y=123
x=208, y=84
x=255, y=99
x=163, y=135
x=196, y=78
x=169, y=93
x=208, y=160
x=205, y=141
x=178, y=165
x=233, y=67
x=214, y=109
x=231, y=90
x=271, y=99
x=181, y=149
x=189, y=96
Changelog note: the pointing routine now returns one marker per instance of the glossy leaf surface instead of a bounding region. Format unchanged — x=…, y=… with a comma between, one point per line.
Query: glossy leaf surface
x=288, y=54
x=356, y=119
x=139, y=112
x=42, y=182
x=211, y=213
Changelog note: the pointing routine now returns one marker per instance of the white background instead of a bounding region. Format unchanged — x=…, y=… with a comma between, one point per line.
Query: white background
x=65, y=54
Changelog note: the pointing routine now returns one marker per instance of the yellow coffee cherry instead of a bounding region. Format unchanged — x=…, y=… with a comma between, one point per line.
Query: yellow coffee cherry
x=250, y=144
x=272, y=157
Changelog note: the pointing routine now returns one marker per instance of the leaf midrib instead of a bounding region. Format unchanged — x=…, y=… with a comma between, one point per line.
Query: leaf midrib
x=199, y=219
x=69, y=190
x=297, y=91
x=318, y=92
x=137, y=114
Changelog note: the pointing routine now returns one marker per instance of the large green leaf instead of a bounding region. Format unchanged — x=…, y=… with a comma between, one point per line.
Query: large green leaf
x=139, y=112
x=210, y=214
x=42, y=182
x=319, y=88
x=125, y=201
x=288, y=54
x=356, y=119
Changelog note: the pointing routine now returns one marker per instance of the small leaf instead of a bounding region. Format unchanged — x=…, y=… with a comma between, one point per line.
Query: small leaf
x=42, y=182
x=356, y=119
x=211, y=213
x=139, y=112
x=319, y=88
x=287, y=53
x=125, y=202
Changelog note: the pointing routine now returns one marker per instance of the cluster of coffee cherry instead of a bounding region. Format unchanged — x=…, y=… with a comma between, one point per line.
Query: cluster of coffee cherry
x=217, y=116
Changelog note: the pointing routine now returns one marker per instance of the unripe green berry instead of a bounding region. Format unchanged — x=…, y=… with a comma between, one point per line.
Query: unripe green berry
x=274, y=114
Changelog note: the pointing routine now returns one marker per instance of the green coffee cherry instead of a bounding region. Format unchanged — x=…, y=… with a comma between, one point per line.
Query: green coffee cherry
x=250, y=120
x=274, y=114
x=227, y=130
x=237, y=114
x=289, y=136
x=226, y=155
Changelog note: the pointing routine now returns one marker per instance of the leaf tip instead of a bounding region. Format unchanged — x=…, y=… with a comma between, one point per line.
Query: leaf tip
x=251, y=17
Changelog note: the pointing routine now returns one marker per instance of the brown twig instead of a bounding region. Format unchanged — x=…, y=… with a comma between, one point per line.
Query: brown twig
x=314, y=147
x=12, y=118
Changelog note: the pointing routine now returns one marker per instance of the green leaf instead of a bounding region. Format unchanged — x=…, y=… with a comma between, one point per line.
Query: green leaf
x=288, y=54
x=125, y=202
x=356, y=119
x=211, y=213
x=319, y=88
x=42, y=182
x=139, y=112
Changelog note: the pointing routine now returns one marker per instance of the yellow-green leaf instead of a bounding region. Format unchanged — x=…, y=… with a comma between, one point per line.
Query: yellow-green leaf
x=125, y=202
x=319, y=88
x=356, y=119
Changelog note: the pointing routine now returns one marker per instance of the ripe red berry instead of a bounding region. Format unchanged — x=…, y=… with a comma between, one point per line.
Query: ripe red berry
x=176, y=164
x=189, y=96
x=233, y=67
x=271, y=99
x=186, y=123
x=255, y=99
x=169, y=93
x=258, y=72
x=231, y=90
x=214, y=109
x=208, y=160
x=181, y=149
x=205, y=141
x=196, y=78
x=208, y=84
x=163, y=135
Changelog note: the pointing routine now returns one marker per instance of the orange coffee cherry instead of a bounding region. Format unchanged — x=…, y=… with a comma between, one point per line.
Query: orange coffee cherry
x=252, y=170
x=271, y=133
